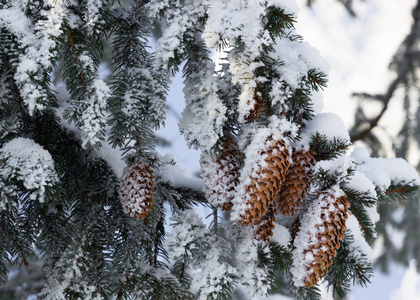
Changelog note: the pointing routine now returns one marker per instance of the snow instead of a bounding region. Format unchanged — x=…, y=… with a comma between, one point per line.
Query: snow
x=297, y=59
x=361, y=183
x=29, y=163
x=281, y=235
x=94, y=113
x=209, y=272
x=205, y=114
x=227, y=22
x=289, y=6
x=252, y=278
x=384, y=172
x=179, y=22
x=92, y=12
x=338, y=168
x=325, y=124
x=178, y=177
x=360, y=244
x=219, y=178
x=67, y=275
x=35, y=42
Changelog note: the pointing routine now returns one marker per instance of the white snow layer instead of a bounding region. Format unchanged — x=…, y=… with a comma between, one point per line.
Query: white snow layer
x=26, y=161
x=360, y=245
x=94, y=114
x=337, y=168
x=253, y=279
x=219, y=181
x=281, y=235
x=182, y=19
x=204, y=115
x=179, y=177
x=325, y=124
x=208, y=272
x=92, y=12
x=361, y=183
x=70, y=275
x=297, y=58
x=384, y=172
x=36, y=40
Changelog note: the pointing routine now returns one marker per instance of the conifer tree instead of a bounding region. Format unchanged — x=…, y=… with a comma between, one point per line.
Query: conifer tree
x=100, y=231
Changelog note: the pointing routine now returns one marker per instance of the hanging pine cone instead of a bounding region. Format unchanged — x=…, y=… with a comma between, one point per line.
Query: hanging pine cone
x=296, y=184
x=263, y=230
x=256, y=110
x=266, y=181
x=221, y=175
x=321, y=230
x=136, y=190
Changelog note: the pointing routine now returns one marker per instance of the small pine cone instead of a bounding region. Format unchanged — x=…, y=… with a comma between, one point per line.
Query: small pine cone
x=136, y=190
x=263, y=230
x=297, y=182
x=256, y=110
x=221, y=175
x=267, y=181
x=321, y=230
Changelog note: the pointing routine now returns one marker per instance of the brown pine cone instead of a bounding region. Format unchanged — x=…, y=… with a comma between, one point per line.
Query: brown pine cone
x=221, y=175
x=136, y=190
x=263, y=230
x=266, y=181
x=256, y=110
x=297, y=182
x=319, y=235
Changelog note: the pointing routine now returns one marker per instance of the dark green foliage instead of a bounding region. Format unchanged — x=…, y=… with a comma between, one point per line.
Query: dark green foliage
x=279, y=260
x=303, y=293
x=326, y=149
x=135, y=103
x=358, y=204
x=278, y=22
x=349, y=266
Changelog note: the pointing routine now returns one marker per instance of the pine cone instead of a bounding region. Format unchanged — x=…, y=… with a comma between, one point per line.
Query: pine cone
x=256, y=110
x=136, y=190
x=296, y=184
x=322, y=236
x=263, y=230
x=267, y=181
x=221, y=175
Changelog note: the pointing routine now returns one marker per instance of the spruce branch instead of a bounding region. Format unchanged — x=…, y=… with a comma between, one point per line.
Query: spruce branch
x=75, y=55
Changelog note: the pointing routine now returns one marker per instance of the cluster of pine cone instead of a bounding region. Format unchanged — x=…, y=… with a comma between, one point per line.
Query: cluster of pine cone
x=278, y=187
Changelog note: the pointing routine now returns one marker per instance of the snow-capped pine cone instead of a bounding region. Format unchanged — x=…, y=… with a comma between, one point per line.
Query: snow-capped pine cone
x=268, y=181
x=296, y=184
x=136, y=190
x=221, y=175
x=329, y=233
x=256, y=110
